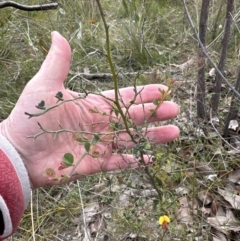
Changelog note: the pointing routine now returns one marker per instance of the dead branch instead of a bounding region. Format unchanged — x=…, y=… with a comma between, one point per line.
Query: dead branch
x=42, y=7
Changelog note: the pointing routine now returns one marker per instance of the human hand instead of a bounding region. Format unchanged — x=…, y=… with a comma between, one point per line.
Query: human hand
x=46, y=151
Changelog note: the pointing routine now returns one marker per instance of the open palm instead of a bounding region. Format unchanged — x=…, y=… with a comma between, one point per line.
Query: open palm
x=46, y=151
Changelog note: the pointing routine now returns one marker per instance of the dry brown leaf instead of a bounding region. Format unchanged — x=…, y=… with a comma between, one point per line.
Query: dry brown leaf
x=219, y=236
x=225, y=224
x=220, y=211
x=96, y=225
x=234, y=176
x=235, y=142
x=205, y=198
x=204, y=169
x=206, y=211
x=90, y=211
x=232, y=198
x=184, y=213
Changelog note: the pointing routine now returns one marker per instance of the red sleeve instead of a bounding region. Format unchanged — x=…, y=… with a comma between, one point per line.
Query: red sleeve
x=11, y=195
x=14, y=188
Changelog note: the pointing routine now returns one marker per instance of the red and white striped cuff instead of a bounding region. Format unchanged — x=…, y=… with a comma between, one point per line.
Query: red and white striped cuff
x=14, y=188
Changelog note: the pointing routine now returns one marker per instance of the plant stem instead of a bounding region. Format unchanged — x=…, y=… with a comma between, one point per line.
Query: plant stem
x=77, y=163
x=112, y=68
x=116, y=101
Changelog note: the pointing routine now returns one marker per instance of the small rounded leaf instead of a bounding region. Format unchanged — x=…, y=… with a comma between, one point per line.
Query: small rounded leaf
x=96, y=139
x=41, y=105
x=68, y=159
x=87, y=146
x=59, y=95
x=156, y=102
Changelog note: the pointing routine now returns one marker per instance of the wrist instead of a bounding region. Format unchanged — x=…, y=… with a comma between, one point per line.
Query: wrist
x=16, y=161
x=14, y=188
x=10, y=145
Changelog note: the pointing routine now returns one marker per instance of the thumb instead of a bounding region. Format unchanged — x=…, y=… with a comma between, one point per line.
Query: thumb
x=55, y=67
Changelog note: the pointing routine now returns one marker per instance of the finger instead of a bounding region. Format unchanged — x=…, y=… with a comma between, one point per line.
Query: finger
x=124, y=161
x=145, y=94
x=113, y=163
x=155, y=135
x=55, y=67
x=143, y=113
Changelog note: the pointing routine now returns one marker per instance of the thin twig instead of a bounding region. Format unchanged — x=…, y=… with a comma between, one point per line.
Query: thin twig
x=44, y=131
x=42, y=7
x=52, y=107
x=56, y=132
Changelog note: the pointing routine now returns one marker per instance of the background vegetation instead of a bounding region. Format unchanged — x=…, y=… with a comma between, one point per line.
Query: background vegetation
x=151, y=36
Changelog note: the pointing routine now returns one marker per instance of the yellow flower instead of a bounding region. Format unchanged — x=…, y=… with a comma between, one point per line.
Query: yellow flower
x=164, y=221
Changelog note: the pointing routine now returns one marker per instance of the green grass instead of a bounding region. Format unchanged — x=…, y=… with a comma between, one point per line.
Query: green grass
x=145, y=36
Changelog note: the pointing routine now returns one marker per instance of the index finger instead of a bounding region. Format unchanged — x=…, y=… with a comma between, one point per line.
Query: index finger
x=145, y=94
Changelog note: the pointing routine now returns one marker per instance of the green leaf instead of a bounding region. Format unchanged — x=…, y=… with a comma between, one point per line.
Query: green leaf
x=156, y=102
x=59, y=95
x=118, y=126
x=87, y=146
x=147, y=146
x=68, y=159
x=41, y=105
x=116, y=112
x=96, y=139
x=153, y=113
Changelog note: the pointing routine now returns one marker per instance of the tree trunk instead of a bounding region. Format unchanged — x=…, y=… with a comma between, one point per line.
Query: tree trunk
x=225, y=41
x=201, y=112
